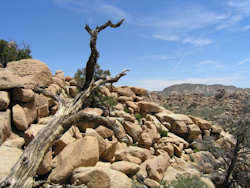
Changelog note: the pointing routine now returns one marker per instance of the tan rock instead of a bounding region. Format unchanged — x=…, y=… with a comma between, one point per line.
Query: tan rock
x=123, y=99
x=133, y=154
x=134, y=130
x=154, y=168
x=100, y=139
x=35, y=71
x=8, y=157
x=96, y=177
x=208, y=182
x=60, y=74
x=58, y=81
x=22, y=95
x=44, y=120
x=156, y=122
x=122, y=114
x=42, y=104
x=151, y=183
x=178, y=149
x=46, y=165
x=126, y=167
x=164, y=146
x=9, y=80
x=132, y=105
x=32, y=131
x=69, y=137
x=125, y=91
x=72, y=82
x=109, y=153
x=84, y=125
x=172, y=138
x=139, y=91
x=5, y=125
x=85, y=153
x=193, y=131
x=203, y=124
x=103, y=164
x=149, y=107
x=104, y=131
x=216, y=129
x=4, y=100
x=24, y=115
x=68, y=78
x=119, y=107
x=73, y=91
x=14, y=141
x=149, y=135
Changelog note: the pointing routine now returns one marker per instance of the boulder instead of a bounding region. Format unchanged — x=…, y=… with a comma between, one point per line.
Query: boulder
x=154, y=168
x=139, y=91
x=35, y=71
x=14, y=141
x=149, y=107
x=82, y=152
x=125, y=91
x=132, y=105
x=46, y=165
x=151, y=183
x=9, y=80
x=32, y=131
x=109, y=153
x=203, y=124
x=4, y=100
x=104, y=131
x=22, y=95
x=98, y=177
x=122, y=114
x=84, y=125
x=126, y=167
x=149, y=135
x=8, y=157
x=60, y=74
x=133, y=154
x=5, y=125
x=133, y=129
x=123, y=99
x=73, y=91
x=103, y=164
x=24, y=115
x=72, y=82
x=42, y=104
x=68, y=137
x=194, y=131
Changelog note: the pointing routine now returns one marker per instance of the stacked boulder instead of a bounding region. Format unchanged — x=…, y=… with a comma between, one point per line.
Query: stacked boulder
x=162, y=146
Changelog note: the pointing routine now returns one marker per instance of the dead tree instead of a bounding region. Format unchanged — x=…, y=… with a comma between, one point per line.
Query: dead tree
x=23, y=172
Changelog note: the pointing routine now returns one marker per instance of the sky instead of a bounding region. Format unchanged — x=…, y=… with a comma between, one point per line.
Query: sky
x=162, y=42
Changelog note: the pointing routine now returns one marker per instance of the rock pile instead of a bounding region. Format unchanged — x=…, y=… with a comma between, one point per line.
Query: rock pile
x=162, y=146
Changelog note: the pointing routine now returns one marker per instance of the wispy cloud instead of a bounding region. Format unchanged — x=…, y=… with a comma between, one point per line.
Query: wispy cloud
x=157, y=85
x=244, y=61
x=159, y=57
x=197, y=42
x=210, y=63
x=243, y=6
x=230, y=22
x=114, y=11
x=166, y=37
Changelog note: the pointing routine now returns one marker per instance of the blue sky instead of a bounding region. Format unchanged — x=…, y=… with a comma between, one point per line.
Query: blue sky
x=162, y=42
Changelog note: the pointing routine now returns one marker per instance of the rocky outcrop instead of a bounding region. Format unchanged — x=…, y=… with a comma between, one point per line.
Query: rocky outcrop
x=162, y=144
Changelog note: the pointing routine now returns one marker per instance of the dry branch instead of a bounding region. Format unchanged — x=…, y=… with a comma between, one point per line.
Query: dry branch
x=23, y=172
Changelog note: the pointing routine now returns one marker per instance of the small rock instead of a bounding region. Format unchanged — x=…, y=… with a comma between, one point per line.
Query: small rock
x=126, y=167
x=4, y=100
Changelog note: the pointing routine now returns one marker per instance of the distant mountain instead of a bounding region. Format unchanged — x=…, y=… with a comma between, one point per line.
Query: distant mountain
x=207, y=90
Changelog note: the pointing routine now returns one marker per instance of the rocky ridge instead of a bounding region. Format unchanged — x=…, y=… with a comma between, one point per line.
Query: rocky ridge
x=162, y=145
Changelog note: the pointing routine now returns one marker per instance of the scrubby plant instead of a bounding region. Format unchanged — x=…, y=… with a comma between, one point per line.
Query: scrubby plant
x=10, y=51
x=163, y=133
x=185, y=182
x=196, y=150
x=138, y=116
x=126, y=109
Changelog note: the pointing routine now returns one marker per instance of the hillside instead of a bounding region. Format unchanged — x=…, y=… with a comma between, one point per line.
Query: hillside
x=206, y=90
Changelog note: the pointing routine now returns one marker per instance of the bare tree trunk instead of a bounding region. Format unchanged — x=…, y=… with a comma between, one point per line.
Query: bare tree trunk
x=23, y=172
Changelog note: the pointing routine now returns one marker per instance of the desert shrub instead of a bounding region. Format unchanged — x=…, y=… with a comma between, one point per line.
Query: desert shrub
x=163, y=133
x=126, y=110
x=186, y=182
x=10, y=51
x=138, y=117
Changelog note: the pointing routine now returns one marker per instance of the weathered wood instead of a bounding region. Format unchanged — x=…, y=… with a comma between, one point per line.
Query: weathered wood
x=23, y=172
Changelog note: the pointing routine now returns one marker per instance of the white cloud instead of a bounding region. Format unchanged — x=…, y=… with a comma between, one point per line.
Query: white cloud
x=242, y=6
x=210, y=63
x=166, y=37
x=246, y=60
x=230, y=22
x=114, y=11
x=158, y=85
x=197, y=42
x=245, y=28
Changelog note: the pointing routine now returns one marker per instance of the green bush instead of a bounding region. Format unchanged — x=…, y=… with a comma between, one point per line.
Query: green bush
x=9, y=51
x=138, y=117
x=186, y=182
x=163, y=133
x=196, y=150
x=126, y=110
